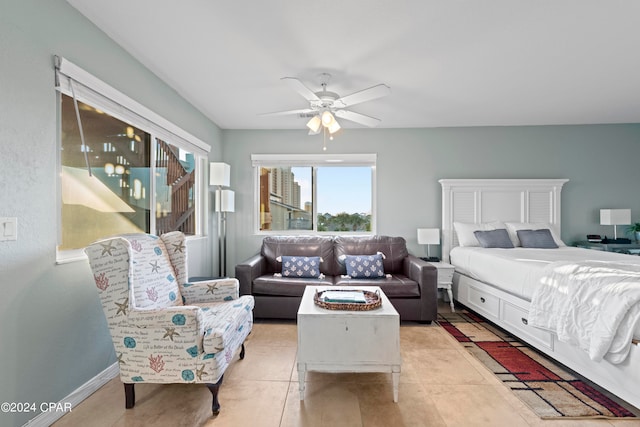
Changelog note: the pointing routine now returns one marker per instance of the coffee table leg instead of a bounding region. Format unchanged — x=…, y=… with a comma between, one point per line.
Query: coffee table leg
x=302, y=371
x=395, y=375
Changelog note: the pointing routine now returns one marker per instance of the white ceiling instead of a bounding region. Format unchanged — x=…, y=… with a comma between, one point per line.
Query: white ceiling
x=448, y=62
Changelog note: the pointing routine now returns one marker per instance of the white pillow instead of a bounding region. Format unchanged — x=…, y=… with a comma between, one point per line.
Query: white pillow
x=465, y=230
x=513, y=227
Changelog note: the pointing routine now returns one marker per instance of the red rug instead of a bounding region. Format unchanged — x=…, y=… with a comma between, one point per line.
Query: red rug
x=549, y=389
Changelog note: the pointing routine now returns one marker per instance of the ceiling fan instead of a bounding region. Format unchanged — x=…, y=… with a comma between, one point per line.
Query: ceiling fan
x=325, y=106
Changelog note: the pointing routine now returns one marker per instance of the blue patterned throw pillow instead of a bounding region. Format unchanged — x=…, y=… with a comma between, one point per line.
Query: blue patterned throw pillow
x=364, y=266
x=299, y=266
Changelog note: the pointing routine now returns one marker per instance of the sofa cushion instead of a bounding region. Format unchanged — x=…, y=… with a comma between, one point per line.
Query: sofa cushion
x=364, y=266
x=309, y=246
x=393, y=248
x=286, y=286
x=396, y=286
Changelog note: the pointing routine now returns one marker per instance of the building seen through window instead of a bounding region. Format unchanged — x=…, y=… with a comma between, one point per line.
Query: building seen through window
x=315, y=198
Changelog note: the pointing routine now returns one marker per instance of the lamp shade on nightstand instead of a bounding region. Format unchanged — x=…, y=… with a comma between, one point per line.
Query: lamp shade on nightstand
x=428, y=236
x=615, y=216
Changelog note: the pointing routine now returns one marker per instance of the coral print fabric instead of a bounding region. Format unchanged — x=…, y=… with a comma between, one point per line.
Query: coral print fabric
x=141, y=281
x=155, y=280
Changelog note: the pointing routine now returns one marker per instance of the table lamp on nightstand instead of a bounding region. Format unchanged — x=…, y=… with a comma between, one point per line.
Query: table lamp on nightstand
x=429, y=236
x=616, y=217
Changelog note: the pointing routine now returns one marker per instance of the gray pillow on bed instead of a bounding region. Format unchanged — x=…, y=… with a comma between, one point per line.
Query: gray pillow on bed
x=498, y=238
x=540, y=239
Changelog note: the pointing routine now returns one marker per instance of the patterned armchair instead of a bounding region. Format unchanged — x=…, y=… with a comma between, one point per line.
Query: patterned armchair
x=164, y=329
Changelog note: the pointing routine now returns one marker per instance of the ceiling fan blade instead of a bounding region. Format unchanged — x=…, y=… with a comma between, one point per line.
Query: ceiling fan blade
x=299, y=87
x=364, y=95
x=288, y=112
x=358, y=118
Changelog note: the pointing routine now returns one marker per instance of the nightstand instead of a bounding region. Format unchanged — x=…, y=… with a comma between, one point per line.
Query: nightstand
x=445, y=279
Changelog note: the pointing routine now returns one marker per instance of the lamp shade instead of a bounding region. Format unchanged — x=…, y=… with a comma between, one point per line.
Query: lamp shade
x=428, y=236
x=225, y=201
x=219, y=174
x=314, y=124
x=615, y=216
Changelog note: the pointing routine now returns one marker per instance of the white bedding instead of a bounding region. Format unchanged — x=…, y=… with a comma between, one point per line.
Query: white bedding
x=519, y=270
x=590, y=304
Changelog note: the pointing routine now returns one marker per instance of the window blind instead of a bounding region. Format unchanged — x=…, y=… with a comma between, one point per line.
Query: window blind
x=93, y=91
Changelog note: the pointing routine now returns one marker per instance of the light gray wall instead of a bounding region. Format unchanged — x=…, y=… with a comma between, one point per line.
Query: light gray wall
x=601, y=162
x=52, y=331
x=53, y=334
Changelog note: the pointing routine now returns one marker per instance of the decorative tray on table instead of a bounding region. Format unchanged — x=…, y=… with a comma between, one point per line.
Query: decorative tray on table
x=347, y=299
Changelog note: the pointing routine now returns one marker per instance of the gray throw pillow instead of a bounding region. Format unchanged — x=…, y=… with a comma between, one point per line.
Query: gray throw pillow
x=539, y=239
x=498, y=238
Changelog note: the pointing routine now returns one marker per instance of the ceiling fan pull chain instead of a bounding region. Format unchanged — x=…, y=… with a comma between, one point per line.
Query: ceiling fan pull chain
x=324, y=139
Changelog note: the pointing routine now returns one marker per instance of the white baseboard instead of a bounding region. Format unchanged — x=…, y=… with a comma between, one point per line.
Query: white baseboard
x=45, y=419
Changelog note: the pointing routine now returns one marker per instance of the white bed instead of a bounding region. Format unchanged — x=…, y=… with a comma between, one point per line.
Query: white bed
x=499, y=283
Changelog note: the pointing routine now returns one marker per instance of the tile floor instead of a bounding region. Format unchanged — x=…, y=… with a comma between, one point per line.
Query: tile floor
x=440, y=385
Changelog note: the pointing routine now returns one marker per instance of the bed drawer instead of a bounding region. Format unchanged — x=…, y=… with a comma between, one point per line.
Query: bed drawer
x=484, y=302
x=517, y=318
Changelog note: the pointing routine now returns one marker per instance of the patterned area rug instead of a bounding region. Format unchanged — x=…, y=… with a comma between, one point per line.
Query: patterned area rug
x=550, y=390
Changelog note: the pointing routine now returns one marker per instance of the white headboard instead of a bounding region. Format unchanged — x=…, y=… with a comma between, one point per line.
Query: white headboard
x=486, y=200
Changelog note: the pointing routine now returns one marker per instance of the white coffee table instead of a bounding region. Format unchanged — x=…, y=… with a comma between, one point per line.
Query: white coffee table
x=348, y=341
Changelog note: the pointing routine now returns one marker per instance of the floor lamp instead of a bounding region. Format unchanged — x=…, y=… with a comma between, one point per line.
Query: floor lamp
x=225, y=202
x=219, y=177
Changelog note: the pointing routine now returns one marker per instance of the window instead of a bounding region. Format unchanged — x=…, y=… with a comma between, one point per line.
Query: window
x=322, y=193
x=121, y=172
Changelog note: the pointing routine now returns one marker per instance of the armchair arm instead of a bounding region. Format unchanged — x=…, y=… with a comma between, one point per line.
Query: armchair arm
x=168, y=317
x=214, y=290
x=183, y=325
x=248, y=271
x=426, y=275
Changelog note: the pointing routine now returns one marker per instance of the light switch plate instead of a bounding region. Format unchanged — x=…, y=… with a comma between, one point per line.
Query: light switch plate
x=8, y=229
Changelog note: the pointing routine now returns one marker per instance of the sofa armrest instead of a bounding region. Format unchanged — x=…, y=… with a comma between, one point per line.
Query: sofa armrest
x=426, y=275
x=249, y=270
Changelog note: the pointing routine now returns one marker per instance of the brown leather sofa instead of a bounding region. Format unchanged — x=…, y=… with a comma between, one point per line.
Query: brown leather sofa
x=410, y=283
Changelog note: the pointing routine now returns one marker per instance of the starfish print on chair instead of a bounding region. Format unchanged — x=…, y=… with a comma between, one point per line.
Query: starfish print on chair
x=170, y=333
x=155, y=268
x=122, y=307
x=107, y=248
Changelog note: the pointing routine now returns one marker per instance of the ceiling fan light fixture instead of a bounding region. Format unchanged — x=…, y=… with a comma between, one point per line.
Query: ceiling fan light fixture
x=314, y=125
x=334, y=127
x=327, y=118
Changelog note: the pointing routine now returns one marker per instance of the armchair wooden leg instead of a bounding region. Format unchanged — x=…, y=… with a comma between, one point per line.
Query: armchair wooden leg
x=242, y=352
x=214, y=388
x=129, y=396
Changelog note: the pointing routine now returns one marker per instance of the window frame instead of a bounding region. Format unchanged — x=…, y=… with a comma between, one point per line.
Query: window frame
x=73, y=81
x=314, y=161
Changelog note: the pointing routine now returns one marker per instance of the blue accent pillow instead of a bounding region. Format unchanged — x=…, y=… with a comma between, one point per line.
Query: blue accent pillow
x=540, y=239
x=498, y=238
x=365, y=266
x=299, y=266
